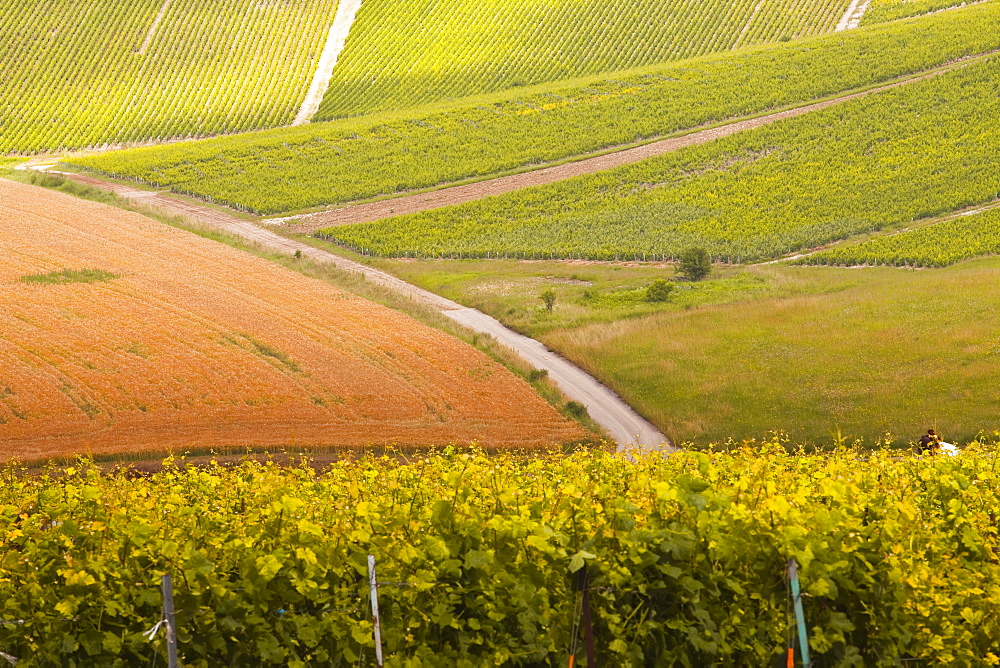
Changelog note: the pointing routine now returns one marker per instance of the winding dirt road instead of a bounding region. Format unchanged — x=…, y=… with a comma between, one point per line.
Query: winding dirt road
x=470, y=192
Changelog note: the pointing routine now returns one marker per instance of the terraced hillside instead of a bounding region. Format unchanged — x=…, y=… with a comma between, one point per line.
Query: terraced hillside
x=113, y=71
x=912, y=152
x=329, y=163
x=123, y=334
x=402, y=54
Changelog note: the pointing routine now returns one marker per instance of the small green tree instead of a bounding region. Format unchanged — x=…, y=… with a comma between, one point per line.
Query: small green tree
x=695, y=264
x=659, y=290
x=549, y=298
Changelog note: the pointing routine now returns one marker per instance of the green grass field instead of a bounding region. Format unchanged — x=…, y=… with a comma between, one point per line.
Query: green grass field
x=871, y=352
x=402, y=54
x=79, y=74
x=328, y=163
x=880, y=161
x=809, y=351
x=586, y=292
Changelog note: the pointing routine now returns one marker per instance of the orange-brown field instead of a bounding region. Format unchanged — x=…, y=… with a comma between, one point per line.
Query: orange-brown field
x=198, y=345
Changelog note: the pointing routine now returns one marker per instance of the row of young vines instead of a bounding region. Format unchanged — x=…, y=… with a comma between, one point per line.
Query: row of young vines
x=106, y=72
x=329, y=163
x=938, y=245
x=479, y=559
x=913, y=152
x=881, y=11
x=404, y=54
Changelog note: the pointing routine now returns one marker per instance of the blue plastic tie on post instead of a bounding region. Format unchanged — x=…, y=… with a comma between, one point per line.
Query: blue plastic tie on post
x=800, y=617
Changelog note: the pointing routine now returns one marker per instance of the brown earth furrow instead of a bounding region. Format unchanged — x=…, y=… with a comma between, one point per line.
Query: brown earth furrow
x=460, y=194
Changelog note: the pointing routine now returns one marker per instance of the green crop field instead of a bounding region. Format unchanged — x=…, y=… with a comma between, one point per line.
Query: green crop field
x=480, y=560
x=912, y=152
x=880, y=11
x=842, y=351
x=936, y=245
x=328, y=163
x=79, y=74
x=401, y=54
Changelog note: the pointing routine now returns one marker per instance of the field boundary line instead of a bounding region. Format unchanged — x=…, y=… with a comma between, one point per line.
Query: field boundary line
x=152, y=28
x=460, y=192
x=746, y=26
x=336, y=39
x=972, y=210
x=852, y=17
x=609, y=410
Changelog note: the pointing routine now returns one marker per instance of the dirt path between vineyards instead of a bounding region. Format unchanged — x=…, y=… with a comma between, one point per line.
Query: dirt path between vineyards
x=470, y=192
x=624, y=425
x=347, y=10
x=973, y=210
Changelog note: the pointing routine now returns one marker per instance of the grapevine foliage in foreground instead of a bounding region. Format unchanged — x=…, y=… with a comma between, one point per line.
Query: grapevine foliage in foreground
x=685, y=557
x=936, y=245
x=329, y=163
x=911, y=152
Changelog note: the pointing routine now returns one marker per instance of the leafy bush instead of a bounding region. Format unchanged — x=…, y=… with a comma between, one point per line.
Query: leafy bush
x=659, y=290
x=695, y=264
x=548, y=297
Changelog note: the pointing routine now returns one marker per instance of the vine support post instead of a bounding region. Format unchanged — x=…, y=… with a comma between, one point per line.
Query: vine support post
x=800, y=617
x=376, y=621
x=588, y=622
x=167, y=585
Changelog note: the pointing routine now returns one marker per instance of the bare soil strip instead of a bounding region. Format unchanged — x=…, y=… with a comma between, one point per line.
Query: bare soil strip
x=335, y=41
x=152, y=28
x=973, y=210
x=470, y=192
x=852, y=17
x=623, y=424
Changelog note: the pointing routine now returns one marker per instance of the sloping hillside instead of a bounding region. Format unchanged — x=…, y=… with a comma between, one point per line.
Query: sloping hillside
x=113, y=71
x=350, y=159
x=402, y=54
x=119, y=333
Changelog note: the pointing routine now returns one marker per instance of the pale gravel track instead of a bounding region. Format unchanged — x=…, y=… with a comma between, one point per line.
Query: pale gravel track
x=335, y=41
x=918, y=225
x=852, y=17
x=624, y=425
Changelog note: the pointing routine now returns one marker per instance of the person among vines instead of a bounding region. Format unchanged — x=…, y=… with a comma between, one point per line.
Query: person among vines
x=930, y=443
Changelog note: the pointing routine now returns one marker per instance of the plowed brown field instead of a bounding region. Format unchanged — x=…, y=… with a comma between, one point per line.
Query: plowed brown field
x=198, y=345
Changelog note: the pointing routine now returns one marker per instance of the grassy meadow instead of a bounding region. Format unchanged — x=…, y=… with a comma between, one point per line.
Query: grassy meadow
x=815, y=352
